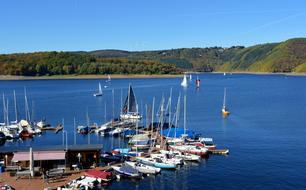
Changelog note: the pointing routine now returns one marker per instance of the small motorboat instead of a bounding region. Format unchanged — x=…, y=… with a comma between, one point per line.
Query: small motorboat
x=83, y=129
x=142, y=168
x=102, y=175
x=191, y=149
x=156, y=162
x=127, y=171
x=184, y=156
x=168, y=158
x=108, y=157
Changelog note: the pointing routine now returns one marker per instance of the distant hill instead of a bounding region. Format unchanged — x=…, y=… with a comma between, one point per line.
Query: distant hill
x=288, y=56
x=109, y=53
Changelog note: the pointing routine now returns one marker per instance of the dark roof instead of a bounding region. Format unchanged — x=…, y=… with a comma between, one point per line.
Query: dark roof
x=78, y=147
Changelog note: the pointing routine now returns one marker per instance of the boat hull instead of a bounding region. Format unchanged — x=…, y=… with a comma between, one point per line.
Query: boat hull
x=156, y=164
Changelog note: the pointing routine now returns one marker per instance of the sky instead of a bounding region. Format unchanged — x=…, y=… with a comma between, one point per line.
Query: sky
x=136, y=25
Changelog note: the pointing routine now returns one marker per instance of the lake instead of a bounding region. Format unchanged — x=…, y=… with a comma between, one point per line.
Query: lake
x=266, y=131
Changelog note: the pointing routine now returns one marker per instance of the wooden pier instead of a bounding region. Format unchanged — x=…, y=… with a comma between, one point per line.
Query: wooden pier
x=220, y=151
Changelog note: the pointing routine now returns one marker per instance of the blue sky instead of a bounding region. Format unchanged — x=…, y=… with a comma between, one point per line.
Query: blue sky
x=69, y=25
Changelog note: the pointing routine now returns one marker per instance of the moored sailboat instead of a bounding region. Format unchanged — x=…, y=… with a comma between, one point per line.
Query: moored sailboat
x=129, y=110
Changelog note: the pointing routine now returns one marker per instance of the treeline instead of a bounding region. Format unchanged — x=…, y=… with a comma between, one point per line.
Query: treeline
x=287, y=56
x=64, y=63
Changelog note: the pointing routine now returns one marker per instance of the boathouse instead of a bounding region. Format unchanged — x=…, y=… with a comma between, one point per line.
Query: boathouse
x=49, y=157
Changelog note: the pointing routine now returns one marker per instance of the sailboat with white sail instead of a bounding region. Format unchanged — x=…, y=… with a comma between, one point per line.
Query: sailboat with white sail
x=99, y=93
x=108, y=78
x=224, y=110
x=129, y=110
x=184, y=82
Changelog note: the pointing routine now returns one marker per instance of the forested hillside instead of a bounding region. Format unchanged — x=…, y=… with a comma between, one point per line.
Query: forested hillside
x=288, y=56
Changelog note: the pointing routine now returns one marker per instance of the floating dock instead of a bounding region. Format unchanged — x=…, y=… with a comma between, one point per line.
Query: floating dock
x=221, y=151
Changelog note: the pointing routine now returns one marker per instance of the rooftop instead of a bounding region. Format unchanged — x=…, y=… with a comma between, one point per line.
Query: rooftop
x=77, y=147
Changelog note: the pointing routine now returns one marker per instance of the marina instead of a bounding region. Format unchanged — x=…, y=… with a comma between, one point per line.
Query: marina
x=152, y=95
x=163, y=136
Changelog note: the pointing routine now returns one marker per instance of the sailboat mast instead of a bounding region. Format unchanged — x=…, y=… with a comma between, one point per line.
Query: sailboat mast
x=177, y=114
x=113, y=92
x=27, y=113
x=15, y=104
x=105, y=112
x=161, y=121
x=4, y=108
x=7, y=113
x=32, y=116
x=137, y=131
x=185, y=114
x=121, y=101
x=146, y=107
x=224, y=97
x=128, y=102
x=87, y=119
x=170, y=99
x=25, y=104
x=74, y=131
x=152, y=122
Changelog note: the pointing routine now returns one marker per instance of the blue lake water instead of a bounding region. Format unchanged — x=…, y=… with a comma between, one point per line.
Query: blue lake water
x=266, y=131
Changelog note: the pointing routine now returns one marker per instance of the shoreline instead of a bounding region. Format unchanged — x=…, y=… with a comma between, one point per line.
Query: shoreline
x=76, y=77
x=261, y=73
x=120, y=76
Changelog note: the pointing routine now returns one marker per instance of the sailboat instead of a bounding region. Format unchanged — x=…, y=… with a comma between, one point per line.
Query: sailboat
x=190, y=77
x=99, y=93
x=129, y=110
x=108, y=78
x=184, y=81
x=198, y=82
x=224, y=110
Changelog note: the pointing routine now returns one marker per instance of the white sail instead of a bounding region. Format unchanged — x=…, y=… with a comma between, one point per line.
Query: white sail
x=99, y=93
x=224, y=110
x=108, y=78
x=224, y=98
x=184, y=82
x=100, y=89
x=190, y=77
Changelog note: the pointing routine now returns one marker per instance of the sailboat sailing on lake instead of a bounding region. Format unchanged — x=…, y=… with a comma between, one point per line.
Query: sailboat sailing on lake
x=99, y=93
x=224, y=110
x=184, y=81
x=108, y=78
x=129, y=110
